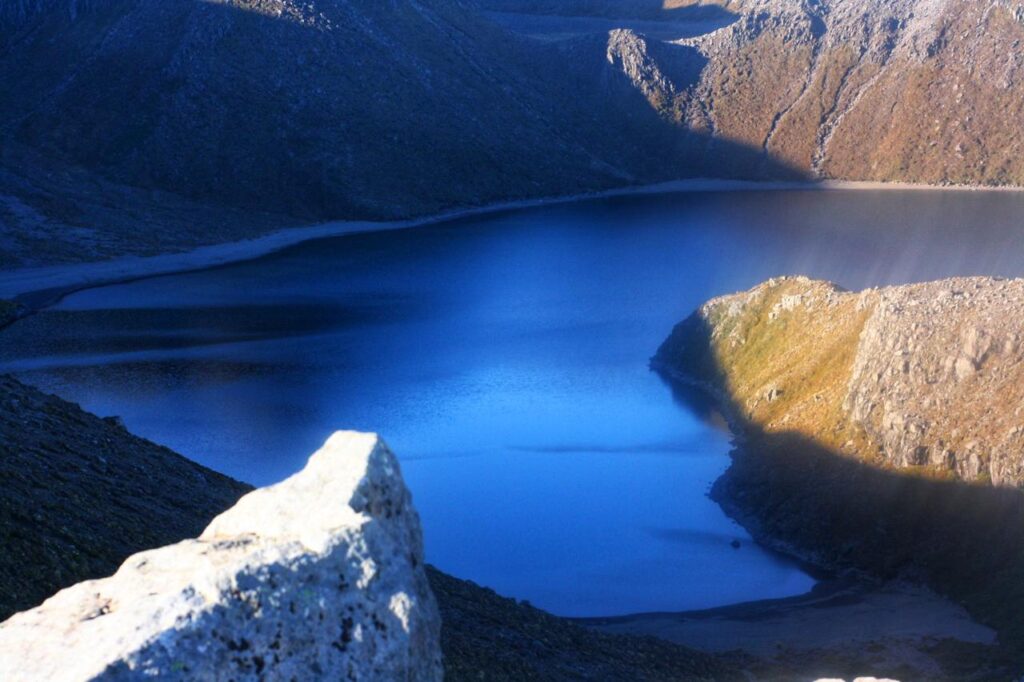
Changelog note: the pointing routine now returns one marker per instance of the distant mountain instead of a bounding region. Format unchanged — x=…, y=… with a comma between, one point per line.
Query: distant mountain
x=925, y=91
x=312, y=109
x=142, y=126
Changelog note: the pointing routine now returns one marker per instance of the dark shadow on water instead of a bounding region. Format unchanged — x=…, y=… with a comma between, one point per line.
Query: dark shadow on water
x=965, y=541
x=697, y=401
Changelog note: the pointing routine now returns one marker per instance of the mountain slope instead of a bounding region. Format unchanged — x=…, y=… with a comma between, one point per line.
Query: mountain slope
x=141, y=126
x=324, y=109
x=303, y=111
x=895, y=90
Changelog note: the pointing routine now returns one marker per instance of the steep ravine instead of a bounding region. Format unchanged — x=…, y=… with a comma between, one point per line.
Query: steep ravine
x=878, y=430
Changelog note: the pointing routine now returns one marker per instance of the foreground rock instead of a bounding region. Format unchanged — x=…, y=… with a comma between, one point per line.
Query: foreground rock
x=319, y=576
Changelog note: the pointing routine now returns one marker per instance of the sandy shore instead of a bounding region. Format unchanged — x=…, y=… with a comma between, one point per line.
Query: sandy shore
x=896, y=622
x=837, y=612
x=39, y=287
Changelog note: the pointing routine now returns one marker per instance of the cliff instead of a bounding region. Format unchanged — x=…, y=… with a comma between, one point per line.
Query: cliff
x=81, y=495
x=876, y=430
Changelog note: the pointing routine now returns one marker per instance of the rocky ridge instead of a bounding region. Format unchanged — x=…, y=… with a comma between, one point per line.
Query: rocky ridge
x=320, y=575
x=924, y=376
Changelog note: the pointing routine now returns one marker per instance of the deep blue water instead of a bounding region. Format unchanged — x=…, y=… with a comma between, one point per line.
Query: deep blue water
x=504, y=358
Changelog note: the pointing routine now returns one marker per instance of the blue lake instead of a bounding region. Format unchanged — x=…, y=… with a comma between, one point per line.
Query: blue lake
x=504, y=359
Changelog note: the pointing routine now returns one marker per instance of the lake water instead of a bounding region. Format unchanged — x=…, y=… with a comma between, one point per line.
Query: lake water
x=504, y=358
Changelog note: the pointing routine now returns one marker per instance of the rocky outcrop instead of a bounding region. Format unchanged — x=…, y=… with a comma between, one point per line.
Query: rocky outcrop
x=319, y=576
x=938, y=378
x=918, y=376
x=870, y=428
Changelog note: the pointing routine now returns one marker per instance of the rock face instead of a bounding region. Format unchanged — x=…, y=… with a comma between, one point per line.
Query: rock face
x=921, y=376
x=320, y=576
x=909, y=90
x=938, y=378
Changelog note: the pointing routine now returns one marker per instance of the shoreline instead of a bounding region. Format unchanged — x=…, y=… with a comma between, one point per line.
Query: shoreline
x=38, y=287
x=840, y=615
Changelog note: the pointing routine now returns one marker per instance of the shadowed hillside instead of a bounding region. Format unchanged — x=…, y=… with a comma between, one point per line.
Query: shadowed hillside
x=306, y=111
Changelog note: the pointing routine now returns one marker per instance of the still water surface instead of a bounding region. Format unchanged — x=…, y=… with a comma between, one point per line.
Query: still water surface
x=504, y=358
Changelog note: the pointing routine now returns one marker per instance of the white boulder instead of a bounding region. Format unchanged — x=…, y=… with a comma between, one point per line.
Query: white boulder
x=318, y=577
